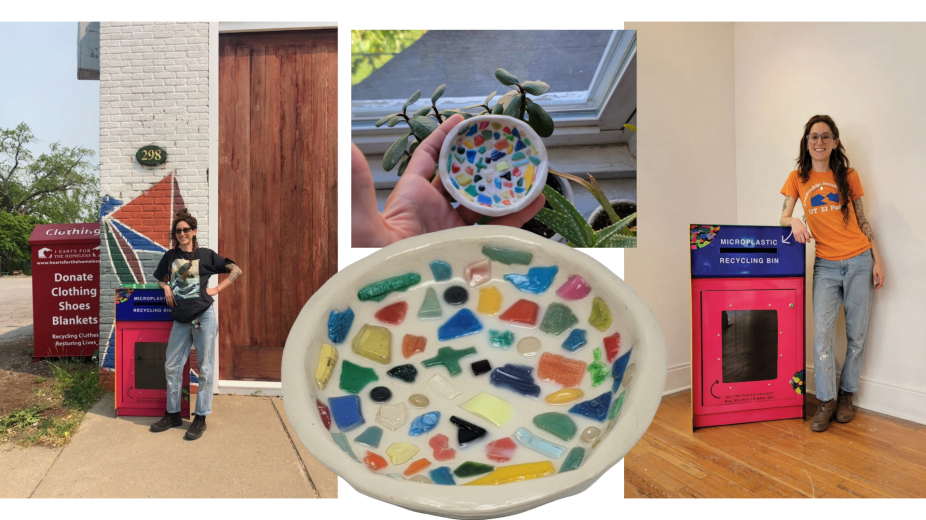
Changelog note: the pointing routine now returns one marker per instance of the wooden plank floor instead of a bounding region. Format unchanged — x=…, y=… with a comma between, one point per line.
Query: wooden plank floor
x=873, y=456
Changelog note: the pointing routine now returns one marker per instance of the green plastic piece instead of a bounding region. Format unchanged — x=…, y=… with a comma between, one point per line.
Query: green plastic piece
x=460, y=158
x=616, y=406
x=471, y=469
x=557, y=424
x=355, y=377
x=482, y=149
x=600, y=317
x=534, y=159
x=501, y=339
x=558, y=319
x=430, y=308
x=507, y=255
x=449, y=358
x=471, y=189
x=599, y=370
x=573, y=460
x=378, y=290
x=487, y=134
x=517, y=156
x=341, y=440
x=501, y=166
x=527, y=141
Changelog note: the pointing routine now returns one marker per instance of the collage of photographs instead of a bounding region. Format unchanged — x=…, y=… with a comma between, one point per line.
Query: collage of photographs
x=194, y=305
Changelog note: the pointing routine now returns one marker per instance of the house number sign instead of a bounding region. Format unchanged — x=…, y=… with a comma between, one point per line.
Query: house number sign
x=151, y=155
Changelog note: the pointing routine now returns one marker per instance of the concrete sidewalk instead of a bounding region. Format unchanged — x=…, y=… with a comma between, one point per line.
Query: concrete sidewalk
x=249, y=450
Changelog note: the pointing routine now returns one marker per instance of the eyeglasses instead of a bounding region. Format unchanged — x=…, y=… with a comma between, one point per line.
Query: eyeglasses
x=827, y=138
x=182, y=231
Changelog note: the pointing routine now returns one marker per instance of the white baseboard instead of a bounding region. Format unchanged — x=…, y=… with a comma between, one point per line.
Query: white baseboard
x=897, y=400
x=261, y=388
x=678, y=378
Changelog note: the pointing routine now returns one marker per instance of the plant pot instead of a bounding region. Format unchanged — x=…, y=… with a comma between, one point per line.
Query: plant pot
x=623, y=208
x=538, y=228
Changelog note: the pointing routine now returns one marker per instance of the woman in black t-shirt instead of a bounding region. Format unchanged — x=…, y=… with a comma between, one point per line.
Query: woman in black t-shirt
x=184, y=274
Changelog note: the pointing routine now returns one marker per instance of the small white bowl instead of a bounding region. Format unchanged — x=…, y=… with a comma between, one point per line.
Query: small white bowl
x=492, y=185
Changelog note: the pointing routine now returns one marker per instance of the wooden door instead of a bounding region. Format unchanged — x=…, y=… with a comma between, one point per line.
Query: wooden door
x=277, y=187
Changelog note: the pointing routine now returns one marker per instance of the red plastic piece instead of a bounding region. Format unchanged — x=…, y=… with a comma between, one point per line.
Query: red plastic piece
x=612, y=345
x=506, y=130
x=478, y=140
x=523, y=311
x=455, y=168
x=412, y=345
x=392, y=314
x=325, y=413
x=501, y=450
x=442, y=449
x=374, y=461
x=561, y=370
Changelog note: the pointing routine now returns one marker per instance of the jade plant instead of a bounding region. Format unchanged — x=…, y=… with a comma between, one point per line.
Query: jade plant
x=423, y=122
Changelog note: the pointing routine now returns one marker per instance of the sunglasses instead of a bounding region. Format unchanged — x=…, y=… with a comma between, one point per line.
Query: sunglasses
x=181, y=231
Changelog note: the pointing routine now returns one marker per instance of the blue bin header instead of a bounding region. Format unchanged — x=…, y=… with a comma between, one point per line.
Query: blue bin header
x=141, y=305
x=745, y=252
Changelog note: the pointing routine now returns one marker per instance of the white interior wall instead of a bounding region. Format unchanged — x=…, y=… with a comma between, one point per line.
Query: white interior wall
x=871, y=78
x=686, y=160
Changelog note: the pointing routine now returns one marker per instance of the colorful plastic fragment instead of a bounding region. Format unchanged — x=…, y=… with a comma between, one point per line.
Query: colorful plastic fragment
x=401, y=452
x=558, y=319
x=537, y=280
x=421, y=478
x=441, y=270
x=565, y=396
x=575, y=341
x=380, y=394
x=327, y=359
x=441, y=446
x=600, y=318
x=573, y=460
x=374, y=343
x=501, y=339
x=616, y=406
x=456, y=295
x=517, y=378
x=490, y=301
x=374, y=461
x=523, y=311
x=392, y=416
x=515, y=473
x=442, y=476
x=339, y=325
x=575, y=288
x=467, y=432
x=590, y=434
x=597, y=369
x=463, y=323
x=406, y=373
x=528, y=346
x=628, y=374
x=618, y=369
x=478, y=273
x=412, y=345
x=424, y=423
x=596, y=408
x=472, y=469
x=430, y=308
x=370, y=437
x=507, y=255
x=612, y=345
x=419, y=400
x=490, y=408
x=481, y=367
x=378, y=290
x=392, y=314
x=341, y=440
x=416, y=466
x=560, y=370
x=345, y=410
x=444, y=388
x=449, y=358
x=501, y=450
x=557, y=424
x=355, y=377
x=542, y=446
x=324, y=413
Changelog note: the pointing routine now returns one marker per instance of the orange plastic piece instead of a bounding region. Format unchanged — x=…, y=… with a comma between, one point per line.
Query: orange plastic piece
x=501, y=145
x=523, y=311
x=374, y=461
x=416, y=466
x=562, y=370
x=412, y=345
x=393, y=314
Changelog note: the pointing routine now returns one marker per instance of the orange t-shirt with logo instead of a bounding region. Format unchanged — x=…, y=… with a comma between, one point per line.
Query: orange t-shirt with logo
x=834, y=239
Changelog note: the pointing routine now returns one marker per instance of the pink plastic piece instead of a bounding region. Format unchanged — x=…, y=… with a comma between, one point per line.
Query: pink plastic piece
x=575, y=288
x=442, y=449
x=478, y=273
x=501, y=450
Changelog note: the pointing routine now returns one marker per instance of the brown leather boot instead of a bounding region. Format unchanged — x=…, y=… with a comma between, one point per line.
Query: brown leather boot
x=845, y=410
x=821, y=420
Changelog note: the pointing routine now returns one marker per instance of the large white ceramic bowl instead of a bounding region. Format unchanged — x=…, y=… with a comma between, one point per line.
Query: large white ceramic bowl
x=639, y=392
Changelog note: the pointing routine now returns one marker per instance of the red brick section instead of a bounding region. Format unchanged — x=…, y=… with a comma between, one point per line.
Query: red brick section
x=108, y=379
x=151, y=212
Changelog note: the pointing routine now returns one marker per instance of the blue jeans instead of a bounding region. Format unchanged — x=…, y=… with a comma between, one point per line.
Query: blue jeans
x=835, y=283
x=183, y=336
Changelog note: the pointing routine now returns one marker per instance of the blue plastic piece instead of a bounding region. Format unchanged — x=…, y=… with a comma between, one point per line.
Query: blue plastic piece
x=537, y=280
x=425, y=423
x=370, y=437
x=455, y=185
x=498, y=183
x=442, y=475
x=617, y=371
x=339, y=325
x=345, y=411
x=575, y=341
x=496, y=155
x=541, y=446
x=441, y=270
x=482, y=199
x=497, y=198
x=463, y=323
x=497, y=135
x=519, y=190
x=519, y=146
x=471, y=156
x=472, y=130
x=520, y=163
x=596, y=408
x=517, y=378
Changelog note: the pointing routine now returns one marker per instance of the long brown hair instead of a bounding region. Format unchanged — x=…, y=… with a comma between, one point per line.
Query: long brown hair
x=181, y=216
x=839, y=163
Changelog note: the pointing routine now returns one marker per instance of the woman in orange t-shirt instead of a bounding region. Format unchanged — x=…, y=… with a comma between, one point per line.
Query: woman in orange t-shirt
x=848, y=265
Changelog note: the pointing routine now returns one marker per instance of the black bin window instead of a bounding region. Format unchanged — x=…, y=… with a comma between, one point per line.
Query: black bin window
x=750, y=345
x=149, y=366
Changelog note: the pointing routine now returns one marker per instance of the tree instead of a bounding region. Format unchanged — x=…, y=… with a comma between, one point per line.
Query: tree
x=14, y=239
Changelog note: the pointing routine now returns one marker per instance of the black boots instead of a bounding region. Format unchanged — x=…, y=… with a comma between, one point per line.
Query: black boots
x=845, y=409
x=170, y=420
x=825, y=414
x=197, y=428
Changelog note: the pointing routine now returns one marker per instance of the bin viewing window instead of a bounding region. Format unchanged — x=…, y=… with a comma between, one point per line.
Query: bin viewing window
x=149, y=365
x=750, y=345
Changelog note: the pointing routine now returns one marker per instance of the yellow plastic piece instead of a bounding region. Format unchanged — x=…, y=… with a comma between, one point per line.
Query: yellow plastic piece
x=515, y=473
x=327, y=359
x=467, y=196
x=490, y=301
x=401, y=452
x=491, y=408
x=468, y=144
x=510, y=149
x=505, y=194
x=529, y=177
x=374, y=343
x=564, y=396
x=463, y=179
x=497, y=126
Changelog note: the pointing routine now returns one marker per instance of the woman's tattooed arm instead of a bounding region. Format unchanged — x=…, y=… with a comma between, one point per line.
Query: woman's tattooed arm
x=863, y=223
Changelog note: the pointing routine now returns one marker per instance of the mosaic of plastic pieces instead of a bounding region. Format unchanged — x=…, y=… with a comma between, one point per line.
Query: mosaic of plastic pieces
x=422, y=383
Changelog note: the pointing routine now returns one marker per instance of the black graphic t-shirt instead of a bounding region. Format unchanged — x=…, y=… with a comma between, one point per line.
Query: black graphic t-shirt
x=189, y=279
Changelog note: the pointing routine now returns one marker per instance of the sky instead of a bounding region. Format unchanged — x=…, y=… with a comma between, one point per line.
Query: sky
x=39, y=86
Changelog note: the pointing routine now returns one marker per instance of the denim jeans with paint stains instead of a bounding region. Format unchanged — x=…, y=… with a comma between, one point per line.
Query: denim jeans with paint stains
x=183, y=336
x=835, y=283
